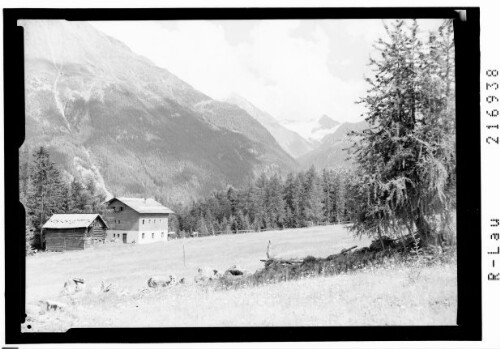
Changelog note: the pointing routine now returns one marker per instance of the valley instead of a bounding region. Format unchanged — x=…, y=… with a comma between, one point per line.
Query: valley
x=104, y=112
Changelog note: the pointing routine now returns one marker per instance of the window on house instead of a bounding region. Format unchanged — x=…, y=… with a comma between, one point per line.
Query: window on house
x=152, y=235
x=118, y=221
x=114, y=235
x=154, y=222
x=143, y=221
x=118, y=235
x=143, y=235
x=121, y=208
x=162, y=234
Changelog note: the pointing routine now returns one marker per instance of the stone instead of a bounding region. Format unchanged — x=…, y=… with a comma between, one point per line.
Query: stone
x=206, y=274
x=235, y=271
x=160, y=281
x=73, y=285
x=49, y=305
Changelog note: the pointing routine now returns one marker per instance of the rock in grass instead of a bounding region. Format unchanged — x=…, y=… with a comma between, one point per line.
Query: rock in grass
x=73, y=285
x=48, y=305
x=207, y=274
x=235, y=271
x=160, y=281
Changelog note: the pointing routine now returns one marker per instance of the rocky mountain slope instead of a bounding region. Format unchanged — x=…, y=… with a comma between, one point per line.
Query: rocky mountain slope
x=106, y=112
x=332, y=150
x=289, y=140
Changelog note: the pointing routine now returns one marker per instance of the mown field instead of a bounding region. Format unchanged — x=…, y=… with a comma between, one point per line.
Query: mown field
x=397, y=295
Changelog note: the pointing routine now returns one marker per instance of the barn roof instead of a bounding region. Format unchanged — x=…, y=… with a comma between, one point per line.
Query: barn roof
x=144, y=205
x=65, y=221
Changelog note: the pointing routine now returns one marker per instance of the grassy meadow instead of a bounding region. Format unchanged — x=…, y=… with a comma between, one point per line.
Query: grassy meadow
x=394, y=295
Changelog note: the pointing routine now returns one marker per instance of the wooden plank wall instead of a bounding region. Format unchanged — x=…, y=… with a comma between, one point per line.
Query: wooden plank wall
x=127, y=219
x=97, y=230
x=64, y=239
x=75, y=239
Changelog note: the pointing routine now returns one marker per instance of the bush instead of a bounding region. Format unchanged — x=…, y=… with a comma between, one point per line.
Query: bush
x=395, y=253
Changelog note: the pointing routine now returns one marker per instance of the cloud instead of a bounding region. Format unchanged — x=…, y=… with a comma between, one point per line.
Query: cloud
x=294, y=69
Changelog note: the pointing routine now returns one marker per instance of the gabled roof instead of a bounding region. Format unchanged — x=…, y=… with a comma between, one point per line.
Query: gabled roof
x=144, y=205
x=65, y=221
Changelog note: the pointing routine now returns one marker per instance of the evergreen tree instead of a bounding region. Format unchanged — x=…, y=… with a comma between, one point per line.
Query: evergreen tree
x=209, y=219
x=24, y=173
x=328, y=195
x=45, y=195
x=96, y=197
x=246, y=223
x=340, y=194
x=259, y=202
x=80, y=200
x=406, y=163
x=313, y=209
x=225, y=226
x=202, y=227
x=232, y=197
x=275, y=206
x=173, y=223
x=300, y=200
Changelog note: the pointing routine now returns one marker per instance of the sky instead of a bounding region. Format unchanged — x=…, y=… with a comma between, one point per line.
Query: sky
x=293, y=69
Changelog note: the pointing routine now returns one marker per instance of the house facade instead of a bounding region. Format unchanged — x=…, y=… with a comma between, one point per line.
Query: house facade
x=66, y=232
x=136, y=220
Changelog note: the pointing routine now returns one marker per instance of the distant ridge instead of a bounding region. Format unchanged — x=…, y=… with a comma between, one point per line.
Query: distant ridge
x=289, y=140
x=331, y=153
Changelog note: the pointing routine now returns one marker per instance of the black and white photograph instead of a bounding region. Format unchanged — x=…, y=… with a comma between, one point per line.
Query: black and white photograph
x=247, y=175
x=221, y=173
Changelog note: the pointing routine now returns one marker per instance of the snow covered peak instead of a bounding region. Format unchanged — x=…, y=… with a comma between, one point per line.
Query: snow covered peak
x=313, y=130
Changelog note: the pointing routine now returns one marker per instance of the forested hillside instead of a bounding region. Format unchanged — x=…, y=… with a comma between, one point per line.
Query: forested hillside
x=103, y=111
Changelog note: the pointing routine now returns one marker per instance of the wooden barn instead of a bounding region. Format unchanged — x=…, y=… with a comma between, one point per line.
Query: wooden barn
x=65, y=232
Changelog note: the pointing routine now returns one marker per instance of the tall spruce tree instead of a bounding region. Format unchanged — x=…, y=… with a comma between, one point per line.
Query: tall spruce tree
x=275, y=206
x=46, y=189
x=259, y=202
x=291, y=192
x=406, y=162
x=312, y=196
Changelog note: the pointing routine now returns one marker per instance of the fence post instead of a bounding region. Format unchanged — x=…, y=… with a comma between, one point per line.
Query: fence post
x=183, y=251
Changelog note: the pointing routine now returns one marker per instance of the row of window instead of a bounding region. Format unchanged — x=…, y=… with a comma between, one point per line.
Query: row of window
x=117, y=221
x=152, y=235
x=143, y=235
x=149, y=221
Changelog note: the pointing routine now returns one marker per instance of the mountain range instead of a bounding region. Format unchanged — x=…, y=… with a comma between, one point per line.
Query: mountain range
x=333, y=150
x=313, y=130
x=105, y=112
x=292, y=142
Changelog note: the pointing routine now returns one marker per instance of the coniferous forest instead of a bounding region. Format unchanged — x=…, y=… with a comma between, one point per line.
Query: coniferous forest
x=44, y=191
x=299, y=200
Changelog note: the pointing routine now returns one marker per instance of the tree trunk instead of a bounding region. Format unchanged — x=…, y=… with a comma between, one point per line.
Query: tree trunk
x=380, y=238
x=424, y=230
